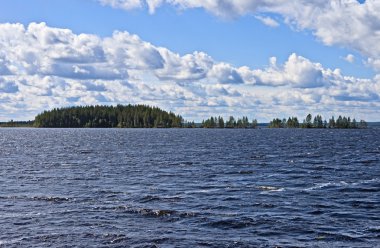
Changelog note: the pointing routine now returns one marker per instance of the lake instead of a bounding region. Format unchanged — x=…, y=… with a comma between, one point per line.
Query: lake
x=189, y=188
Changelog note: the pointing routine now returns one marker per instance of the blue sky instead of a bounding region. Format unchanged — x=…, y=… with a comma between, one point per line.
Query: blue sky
x=321, y=63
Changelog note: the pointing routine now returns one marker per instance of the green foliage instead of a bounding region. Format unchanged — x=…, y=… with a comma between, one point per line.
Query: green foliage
x=254, y=123
x=209, y=123
x=345, y=122
x=318, y=122
x=332, y=122
x=307, y=122
x=190, y=124
x=276, y=123
x=231, y=123
x=292, y=123
x=129, y=116
x=218, y=122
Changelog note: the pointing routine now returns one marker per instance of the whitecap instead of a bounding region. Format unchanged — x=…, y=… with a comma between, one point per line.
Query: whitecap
x=270, y=188
x=324, y=185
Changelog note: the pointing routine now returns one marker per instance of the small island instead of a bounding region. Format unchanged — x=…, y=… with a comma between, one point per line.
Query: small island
x=318, y=122
x=291, y=122
x=122, y=116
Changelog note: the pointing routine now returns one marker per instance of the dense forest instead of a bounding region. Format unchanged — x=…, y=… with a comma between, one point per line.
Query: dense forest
x=318, y=122
x=123, y=116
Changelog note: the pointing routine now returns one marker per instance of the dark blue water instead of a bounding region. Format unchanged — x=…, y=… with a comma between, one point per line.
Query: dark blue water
x=189, y=188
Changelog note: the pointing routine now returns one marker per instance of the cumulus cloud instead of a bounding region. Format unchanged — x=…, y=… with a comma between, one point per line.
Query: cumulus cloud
x=43, y=50
x=349, y=23
x=126, y=50
x=189, y=67
x=225, y=74
x=43, y=67
x=297, y=72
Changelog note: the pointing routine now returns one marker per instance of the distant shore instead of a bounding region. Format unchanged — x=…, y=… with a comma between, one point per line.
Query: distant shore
x=29, y=124
x=143, y=116
x=17, y=124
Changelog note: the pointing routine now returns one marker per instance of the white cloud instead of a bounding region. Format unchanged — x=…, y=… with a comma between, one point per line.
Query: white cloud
x=297, y=72
x=345, y=23
x=153, y=4
x=39, y=49
x=224, y=8
x=268, y=21
x=350, y=58
x=189, y=67
x=122, y=4
x=225, y=74
x=43, y=67
x=374, y=63
x=132, y=4
x=126, y=50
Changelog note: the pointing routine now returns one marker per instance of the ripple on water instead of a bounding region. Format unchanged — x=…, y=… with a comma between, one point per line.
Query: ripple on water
x=189, y=188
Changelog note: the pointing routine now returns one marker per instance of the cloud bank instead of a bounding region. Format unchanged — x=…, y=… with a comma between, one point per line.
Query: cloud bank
x=42, y=67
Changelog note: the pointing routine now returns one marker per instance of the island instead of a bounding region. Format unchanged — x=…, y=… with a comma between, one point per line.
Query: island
x=318, y=122
x=122, y=116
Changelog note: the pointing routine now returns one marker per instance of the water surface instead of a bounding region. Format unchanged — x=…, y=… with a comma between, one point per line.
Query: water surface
x=189, y=188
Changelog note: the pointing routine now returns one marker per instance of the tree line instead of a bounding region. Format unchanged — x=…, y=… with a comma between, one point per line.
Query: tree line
x=318, y=122
x=231, y=122
x=143, y=116
x=123, y=116
x=12, y=123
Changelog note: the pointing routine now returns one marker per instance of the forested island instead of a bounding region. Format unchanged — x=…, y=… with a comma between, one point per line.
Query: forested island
x=318, y=122
x=291, y=122
x=122, y=116
x=231, y=122
x=143, y=116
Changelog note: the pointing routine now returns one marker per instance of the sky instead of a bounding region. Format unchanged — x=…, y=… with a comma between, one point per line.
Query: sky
x=198, y=58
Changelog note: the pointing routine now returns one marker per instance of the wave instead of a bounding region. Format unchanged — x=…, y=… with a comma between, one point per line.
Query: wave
x=150, y=212
x=150, y=198
x=319, y=186
x=270, y=188
x=326, y=185
x=54, y=199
